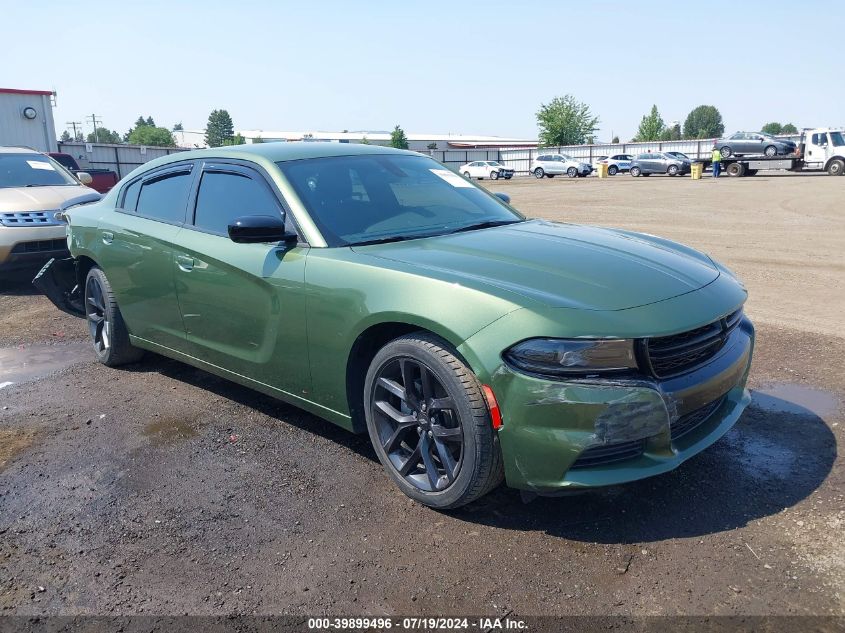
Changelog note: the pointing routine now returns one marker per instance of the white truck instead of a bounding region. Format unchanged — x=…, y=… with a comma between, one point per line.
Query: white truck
x=820, y=149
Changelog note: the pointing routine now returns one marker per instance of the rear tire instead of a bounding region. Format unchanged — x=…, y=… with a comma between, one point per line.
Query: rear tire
x=836, y=167
x=539, y=173
x=109, y=335
x=429, y=424
x=635, y=171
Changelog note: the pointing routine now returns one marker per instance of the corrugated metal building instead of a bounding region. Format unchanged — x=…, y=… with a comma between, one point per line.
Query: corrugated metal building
x=26, y=118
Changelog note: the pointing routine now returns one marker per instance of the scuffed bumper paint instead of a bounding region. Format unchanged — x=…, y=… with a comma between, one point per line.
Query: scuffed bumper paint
x=549, y=424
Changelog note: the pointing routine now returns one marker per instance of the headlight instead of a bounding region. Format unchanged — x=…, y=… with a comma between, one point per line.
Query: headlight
x=562, y=357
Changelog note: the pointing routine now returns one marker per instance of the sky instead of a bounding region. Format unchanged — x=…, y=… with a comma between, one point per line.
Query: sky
x=432, y=67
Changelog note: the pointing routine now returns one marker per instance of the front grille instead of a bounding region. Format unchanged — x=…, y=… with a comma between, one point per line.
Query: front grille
x=41, y=246
x=29, y=218
x=679, y=353
x=609, y=453
x=694, y=419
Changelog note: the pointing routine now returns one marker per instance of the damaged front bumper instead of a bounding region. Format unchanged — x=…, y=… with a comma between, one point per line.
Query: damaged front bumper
x=567, y=434
x=59, y=281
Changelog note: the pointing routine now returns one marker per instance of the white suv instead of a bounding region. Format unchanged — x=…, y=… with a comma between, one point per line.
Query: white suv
x=33, y=187
x=551, y=165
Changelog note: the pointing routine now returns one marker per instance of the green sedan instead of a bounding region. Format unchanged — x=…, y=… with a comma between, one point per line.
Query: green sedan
x=389, y=295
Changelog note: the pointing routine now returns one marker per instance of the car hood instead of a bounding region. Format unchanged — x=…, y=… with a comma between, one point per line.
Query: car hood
x=40, y=198
x=559, y=265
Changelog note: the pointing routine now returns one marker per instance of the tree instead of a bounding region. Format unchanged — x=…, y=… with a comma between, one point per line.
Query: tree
x=103, y=135
x=432, y=146
x=615, y=139
x=398, y=138
x=789, y=129
x=705, y=121
x=651, y=126
x=671, y=133
x=152, y=136
x=237, y=139
x=178, y=127
x=365, y=140
x=66, y=137
x=219, y=129
x=772, y=128
x=565, y=121
x=140, y=122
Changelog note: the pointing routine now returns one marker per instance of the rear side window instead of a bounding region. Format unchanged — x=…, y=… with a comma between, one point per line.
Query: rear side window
x=224, y=196
x=130, y=196
x=165, y=198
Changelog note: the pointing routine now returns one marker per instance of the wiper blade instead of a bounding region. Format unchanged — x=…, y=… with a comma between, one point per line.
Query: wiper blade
x=484, y=225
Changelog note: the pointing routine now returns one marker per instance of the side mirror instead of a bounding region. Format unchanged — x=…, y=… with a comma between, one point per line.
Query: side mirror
x=503, y=197
x=251, y=229
x=84, y=177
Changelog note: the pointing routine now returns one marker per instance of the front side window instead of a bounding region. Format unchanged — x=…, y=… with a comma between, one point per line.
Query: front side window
x=359, y=199
x=165, y=197
x=32, y=170
x=224, y=196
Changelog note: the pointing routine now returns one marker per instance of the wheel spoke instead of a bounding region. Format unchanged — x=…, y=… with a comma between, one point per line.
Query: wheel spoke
x=95, y=318
x=438, y=404
x=428, y=461
x=393, y=414
x=445, y=458
x=425, y=381
x=412, y=461
x=396, y=438
x=393, y=387
x=447, y=434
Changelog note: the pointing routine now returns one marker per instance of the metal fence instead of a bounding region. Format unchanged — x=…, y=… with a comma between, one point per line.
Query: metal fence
x=121, y=159
x=520, y=159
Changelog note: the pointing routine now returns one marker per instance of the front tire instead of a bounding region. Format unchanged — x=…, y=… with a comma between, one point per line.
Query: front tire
x=612, y=170
x=429, y=424
x=673, y=170
x=467, y=176
x=494, y=175
x=539, y=173
x=572, y=172
x=770, y=151
x=836, y=167
x=108, y=332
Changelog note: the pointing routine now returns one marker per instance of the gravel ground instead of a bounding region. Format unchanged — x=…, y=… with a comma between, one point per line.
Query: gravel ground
x=160, y=489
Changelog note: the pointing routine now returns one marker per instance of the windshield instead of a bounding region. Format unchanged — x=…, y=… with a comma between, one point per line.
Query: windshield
x=383, y=197
x=837, y=139
x=493, y=163
x=32, y=170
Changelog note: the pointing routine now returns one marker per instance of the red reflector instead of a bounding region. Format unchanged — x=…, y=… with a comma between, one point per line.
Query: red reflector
x=495, y=414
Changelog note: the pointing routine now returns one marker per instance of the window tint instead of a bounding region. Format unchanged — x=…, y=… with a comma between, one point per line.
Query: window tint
x=225, y=196
x=166, y=197
x=130, y=196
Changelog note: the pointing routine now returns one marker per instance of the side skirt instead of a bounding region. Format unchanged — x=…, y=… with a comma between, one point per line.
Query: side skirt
x=336, y=417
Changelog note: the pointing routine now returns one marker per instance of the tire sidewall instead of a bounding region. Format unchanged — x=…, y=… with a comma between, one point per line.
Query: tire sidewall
x=469, y=423
x=105, y=356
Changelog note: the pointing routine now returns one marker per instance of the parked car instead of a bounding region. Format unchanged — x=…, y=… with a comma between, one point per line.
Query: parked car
x=482, y=169
x=659, y=163
x=33, y=188
x=598, y=160
x=551, y=165
x=753, y=144
x=376, y=289
x=102, y=180
x=617, y=163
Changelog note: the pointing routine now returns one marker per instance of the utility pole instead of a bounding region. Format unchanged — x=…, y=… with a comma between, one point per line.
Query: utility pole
x=73, y=124
x=96, y=123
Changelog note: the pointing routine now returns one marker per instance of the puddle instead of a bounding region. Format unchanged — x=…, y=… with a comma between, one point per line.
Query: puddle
x=21, y=364
x=169, y=430
x=788, y=397
x=12, y=443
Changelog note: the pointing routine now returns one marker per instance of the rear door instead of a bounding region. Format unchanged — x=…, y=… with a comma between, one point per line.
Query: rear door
x=136, y=252
x=243, y=305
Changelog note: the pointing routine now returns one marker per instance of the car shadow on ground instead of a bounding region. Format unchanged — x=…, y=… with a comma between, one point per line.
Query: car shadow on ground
x=770, y=461
x=18, y=284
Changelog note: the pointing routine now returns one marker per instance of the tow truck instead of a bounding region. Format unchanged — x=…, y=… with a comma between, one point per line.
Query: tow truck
x=820, y=149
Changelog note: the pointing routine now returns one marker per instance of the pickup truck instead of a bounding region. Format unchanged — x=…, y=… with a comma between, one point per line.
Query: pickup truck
x=102, y=180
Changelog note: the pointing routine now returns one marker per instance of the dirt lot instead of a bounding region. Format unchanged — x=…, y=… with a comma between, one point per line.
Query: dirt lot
x=161, y=489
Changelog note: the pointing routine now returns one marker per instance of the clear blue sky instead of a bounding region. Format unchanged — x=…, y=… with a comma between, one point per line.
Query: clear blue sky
x=461, y=67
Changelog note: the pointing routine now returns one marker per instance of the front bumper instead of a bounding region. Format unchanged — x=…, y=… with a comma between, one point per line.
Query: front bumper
x=24, y=247
x=549, y=424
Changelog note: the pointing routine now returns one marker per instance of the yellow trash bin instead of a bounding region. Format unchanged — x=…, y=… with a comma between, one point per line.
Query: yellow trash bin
x=602, y=170
x=695, y=170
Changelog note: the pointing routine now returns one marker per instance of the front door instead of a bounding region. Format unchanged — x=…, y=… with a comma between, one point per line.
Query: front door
x=243, y=305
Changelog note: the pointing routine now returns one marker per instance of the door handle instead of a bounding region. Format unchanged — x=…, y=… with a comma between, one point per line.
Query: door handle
x=185, y=263
x=108, y=237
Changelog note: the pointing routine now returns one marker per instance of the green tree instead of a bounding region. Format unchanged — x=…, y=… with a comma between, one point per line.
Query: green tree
x=398, y=138
x=651, y=126
x=432, y=146
x=103, y=135
x=365, y=140
x=66, y=137
x=219, y=129
x=152, y=136
x=772, y=128
x=237, y=139
x=789, y=129
x=615, y=139
x=565, y=121
x=705, y=121
x=671, y=133
x=178, y=127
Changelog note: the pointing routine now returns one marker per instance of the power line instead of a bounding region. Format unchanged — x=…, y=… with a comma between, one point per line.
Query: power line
x=96, y=123
x=73, y=124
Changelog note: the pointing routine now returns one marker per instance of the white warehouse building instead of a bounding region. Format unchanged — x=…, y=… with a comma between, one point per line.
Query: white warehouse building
x=26, y=119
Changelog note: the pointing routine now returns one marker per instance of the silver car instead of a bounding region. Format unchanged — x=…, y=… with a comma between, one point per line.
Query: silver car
x=551, y=165
x=659, y=163
x=753, y=143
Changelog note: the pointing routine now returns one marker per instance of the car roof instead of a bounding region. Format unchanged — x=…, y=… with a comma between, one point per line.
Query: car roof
x=10, y=149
